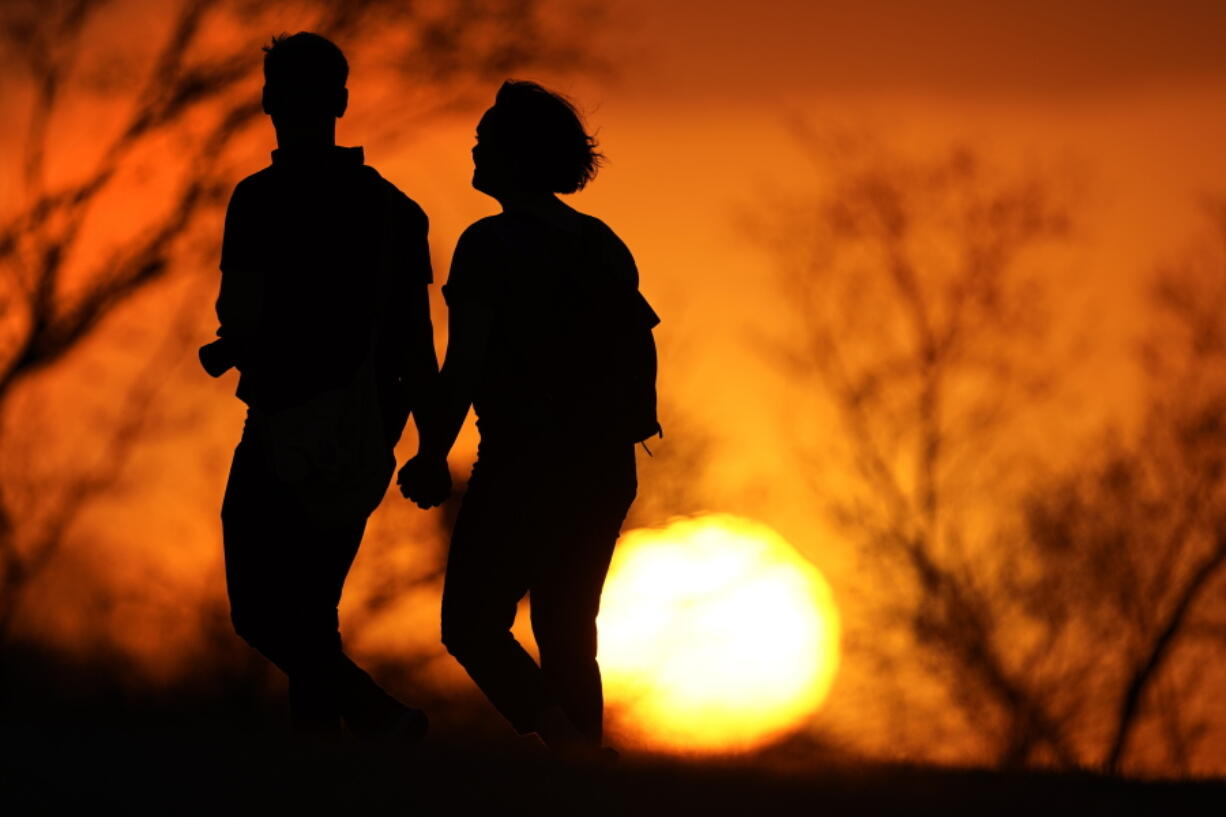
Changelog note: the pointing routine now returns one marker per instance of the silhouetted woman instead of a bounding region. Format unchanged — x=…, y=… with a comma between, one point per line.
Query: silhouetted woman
x=542, y=301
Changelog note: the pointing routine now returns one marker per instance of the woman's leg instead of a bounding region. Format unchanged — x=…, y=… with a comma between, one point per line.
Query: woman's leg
x=566, y=590
x=565, y=601
x=488, y=571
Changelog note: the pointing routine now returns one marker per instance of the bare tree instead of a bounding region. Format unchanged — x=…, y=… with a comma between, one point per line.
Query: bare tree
x=185, y=79
x=1136, y=533
x=919, y=320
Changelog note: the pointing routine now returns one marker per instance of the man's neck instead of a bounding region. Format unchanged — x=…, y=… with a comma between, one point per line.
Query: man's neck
x=306, y=136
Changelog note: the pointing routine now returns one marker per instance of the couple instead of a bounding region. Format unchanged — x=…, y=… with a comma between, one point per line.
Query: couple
x=324, y=311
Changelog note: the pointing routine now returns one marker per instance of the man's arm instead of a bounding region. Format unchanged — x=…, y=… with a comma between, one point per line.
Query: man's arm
x=421, y=361
x=420, y=368
x=240, y=296
x=408, y=333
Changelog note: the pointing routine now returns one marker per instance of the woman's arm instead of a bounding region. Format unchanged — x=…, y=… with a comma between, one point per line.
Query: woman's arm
x=469, y=326
x=425, y=479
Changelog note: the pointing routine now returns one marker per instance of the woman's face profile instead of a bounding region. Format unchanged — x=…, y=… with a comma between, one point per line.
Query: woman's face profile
x=491, y=170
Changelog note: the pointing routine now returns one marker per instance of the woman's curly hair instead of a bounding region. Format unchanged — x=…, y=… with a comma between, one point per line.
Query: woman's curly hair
x=545, y=135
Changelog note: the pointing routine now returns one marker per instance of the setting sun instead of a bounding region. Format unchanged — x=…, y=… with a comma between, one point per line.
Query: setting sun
x=716, y=636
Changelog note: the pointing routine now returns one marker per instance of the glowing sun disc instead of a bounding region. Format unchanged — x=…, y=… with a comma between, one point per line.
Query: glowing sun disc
x=715, y=636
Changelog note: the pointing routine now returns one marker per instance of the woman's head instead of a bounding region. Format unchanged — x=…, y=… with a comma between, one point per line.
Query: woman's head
x=532, y=140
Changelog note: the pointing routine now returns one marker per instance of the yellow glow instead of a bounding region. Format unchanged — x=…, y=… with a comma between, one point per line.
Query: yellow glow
x=715, y=636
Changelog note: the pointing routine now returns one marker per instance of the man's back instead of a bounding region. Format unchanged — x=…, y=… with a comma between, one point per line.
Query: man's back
x=318, y=251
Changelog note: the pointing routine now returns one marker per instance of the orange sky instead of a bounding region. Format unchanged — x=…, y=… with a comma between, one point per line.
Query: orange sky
x=1126, y=99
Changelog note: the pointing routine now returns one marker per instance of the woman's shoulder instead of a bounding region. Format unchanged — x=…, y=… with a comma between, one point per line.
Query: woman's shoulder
x=507, y=230
x=598, y=227
x=482, y=229
x=611, y=244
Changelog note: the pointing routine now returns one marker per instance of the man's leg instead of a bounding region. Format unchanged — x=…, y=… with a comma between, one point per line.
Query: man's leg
x=367, y=709
x=266, y=566
x=319, y=671
x=284, y=575
x=323, y=678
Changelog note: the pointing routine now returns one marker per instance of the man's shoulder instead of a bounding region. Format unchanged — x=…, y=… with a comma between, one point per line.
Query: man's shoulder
x=248, y=203
x=401, y=204
x=250, y=193
x=255, y=183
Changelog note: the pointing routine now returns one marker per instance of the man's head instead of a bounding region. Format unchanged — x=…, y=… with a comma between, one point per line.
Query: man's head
x=304, y=78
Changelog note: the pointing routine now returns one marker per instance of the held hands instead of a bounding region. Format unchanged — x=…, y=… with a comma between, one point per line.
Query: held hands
x=425, y=480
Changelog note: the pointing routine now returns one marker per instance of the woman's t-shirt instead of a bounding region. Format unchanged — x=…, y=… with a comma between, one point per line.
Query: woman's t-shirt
x=548, y=285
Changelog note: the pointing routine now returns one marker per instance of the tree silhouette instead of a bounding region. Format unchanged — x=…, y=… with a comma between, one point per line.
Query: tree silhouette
x=181, y=82
x=1134, y=537
x=1063, y=612
x=918, y=319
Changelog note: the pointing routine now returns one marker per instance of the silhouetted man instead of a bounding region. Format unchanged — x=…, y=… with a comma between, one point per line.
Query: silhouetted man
x=324, y=311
